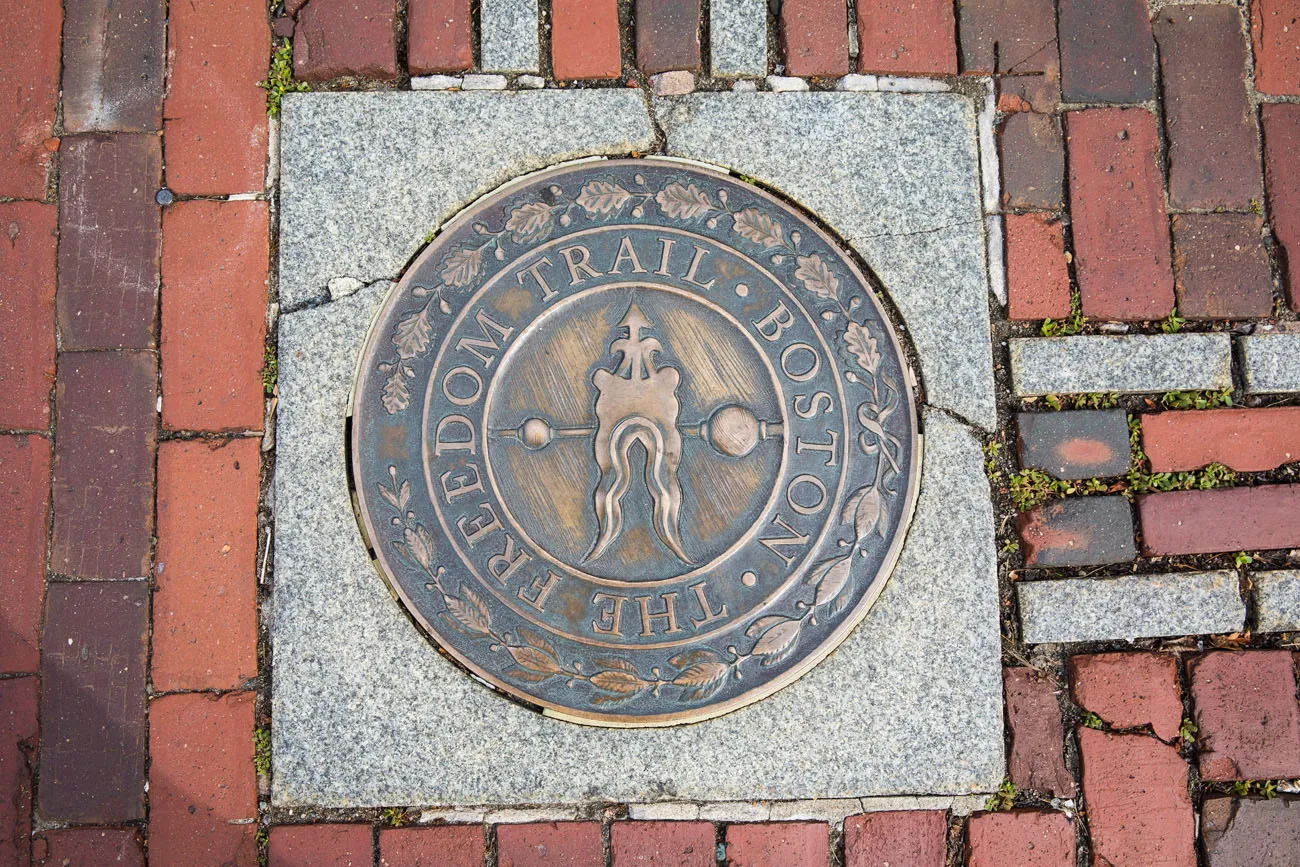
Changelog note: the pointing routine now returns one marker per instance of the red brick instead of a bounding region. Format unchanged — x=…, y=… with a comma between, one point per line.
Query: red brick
x=113, y=65
x=662, y=844
x=438, y=846
x=215, y=114
x=907, y=37
x=550, y=844
x=1130, y=690
x=815, y=37
x=1107, y=51
x=1227, y=519
x=24, y=491
x=1033, y=161
x=1275, y=30
x=334, y=38
x=104, y=464
x=1135, y=792
x=321, y=846
x=202, y=785
x=778, y=844
x=1037, y=760
x=584, y=39
x=903, y=838
x=1038, y=280
x=17, y=752
x=93, y=702
x=1121, y=234
x=1221, y=269
x=214, y=268
x=27, y=314
x=1025, y=838
x=1247, y=720
x=88, y=847
x=1282, y=178
x=1247, y=440
x=668, y=35
x=110, y=232
x=439, y=33
x=1008, y=36
x=29, y=90
x=1209, y=120
x=205, y=604
x=1250, y=833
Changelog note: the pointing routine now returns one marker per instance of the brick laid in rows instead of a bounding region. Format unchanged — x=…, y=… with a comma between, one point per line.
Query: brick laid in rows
x=1271, y=362
x=550, y=844
x=1037, y=760
x=88, y=847
x=205, y=605
x=113, y=65
x=93, y=703
x=1227, y=519
x=1221, y=269
x=18, y=732
x=584, y=39
x=815, y=37
x=1080, y=444
x=334, y=38
x=437, y=846
x=1247, y=720
x=1275, y=30
x=1107, y=51
x=1038, y=279
x=906, y=37
x=1246, y=440
x=439, y=36
x=27, y=314
x=670, y=844
x=104, y=464
x=320, y=846
x=214, y=269
x=1033, y=161
x=778, y=844
x=29, y=91
x=1026, y=838
x=1009, y=36
x=215, y=114
x=667, y=35
x=1129, y=363
x=1040, y=93
x=24, y=515
x=1121, y=234
x=1282, y=179
x=902, y=838
x=1256, y=833
x=1278, y=599
x=110, y=233
x=1130, y=690
x=1078, y=531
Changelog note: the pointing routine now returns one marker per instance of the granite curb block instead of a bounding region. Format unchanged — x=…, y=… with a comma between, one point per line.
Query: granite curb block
x=1278, y=596
x=738, y=38
x=1140, y=606
x=1271, y=362
x=508, y=40
x=1127, y=364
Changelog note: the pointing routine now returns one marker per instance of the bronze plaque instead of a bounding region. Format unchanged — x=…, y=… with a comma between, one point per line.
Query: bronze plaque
x=634, y=442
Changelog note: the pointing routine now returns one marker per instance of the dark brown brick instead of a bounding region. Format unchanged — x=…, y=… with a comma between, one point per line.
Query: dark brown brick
x=24, y=519
x=1275, y=30
x=1037, y=760
x=88, y=847
x=346, y=37
x=1009, y=36
x=320, y=846
x=27, y=314
x=667, y=35
x=1033, y=161
x=1041, y=93
x=434, y=846
x=113, y=57
x=93, y=702
x=1078, y=531
x=104, y=464
x=1228, y=519
x=17, y=754
x=1025, y=838
x=584, y=39
x=1247, y=720
x=1239, y=833
x=1221, y=269
x=29, y=93
x=1282, y=177
x=1130, y=690
x=1038, y=277
x=1080, y=444
x=1209, y=120
x=662, y=844
x=815, y=37
x=110, y=239
x=1107, y=52
x=439, y=36
x=1246, y=440
x=907, y=37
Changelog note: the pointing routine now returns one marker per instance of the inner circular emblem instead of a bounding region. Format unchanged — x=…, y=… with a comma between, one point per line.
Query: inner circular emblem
x=634, y=442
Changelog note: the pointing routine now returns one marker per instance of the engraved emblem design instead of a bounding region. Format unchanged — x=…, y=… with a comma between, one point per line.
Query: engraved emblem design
x=634, y=442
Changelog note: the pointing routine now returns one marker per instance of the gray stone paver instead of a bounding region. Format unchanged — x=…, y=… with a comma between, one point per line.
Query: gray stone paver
x=508, y=40
x=1130, y=363
x=1271, y=362
x=738, y=38
x=1278, y=594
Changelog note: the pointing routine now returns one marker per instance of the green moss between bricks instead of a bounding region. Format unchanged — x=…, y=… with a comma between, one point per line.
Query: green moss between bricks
x=279, y=79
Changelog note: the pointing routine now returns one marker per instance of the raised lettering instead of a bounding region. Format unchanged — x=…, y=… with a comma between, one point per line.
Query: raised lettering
x=802, y=508
x=441, y=445
x=773, y=324
x=535, y=270
x=541, y=589
x=578, y=258
x=462, y=484
x=649, y=617
x=813, y=405
x=503, y=565
x=800, y=375
x=469, y=373
x=794, y=539
x=707, y=614
x=480, y=525
x=609, y=613
x=475, y=346
x=700, y=253
x=800, y=446
x=626, y=254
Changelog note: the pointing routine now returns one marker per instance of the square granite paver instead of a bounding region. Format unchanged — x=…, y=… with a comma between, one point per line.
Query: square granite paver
x=365, y=710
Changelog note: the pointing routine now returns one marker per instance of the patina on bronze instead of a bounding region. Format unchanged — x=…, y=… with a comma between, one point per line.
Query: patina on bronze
x=634, y=442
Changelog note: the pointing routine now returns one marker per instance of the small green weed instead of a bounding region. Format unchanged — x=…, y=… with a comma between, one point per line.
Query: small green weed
x=393, y=817
x=1173, y=323
x=1031, y=487
x=262, y=751
x=1187, y=732
x=1095, y=400
x=1003, y=799
x=279, y=80
x=1091, y=720
x=1197, y=399
x=1242, y=560
x=1073, y=324
x=1264, y=788
x=270, y=370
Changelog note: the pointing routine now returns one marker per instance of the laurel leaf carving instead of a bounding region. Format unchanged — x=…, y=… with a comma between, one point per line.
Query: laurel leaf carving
x=684, y=203
x=602, y=197
x=461, y=266
x=690, y=657
x=534, y=660
x=470, y=611
x=616, y=662
x=763, y=624
x=532, y=639
x=759, y=227
x=866, y=517
x=618, y=681
x=863, y=346
x=528, y=676
x=396, y=396
x=834, y=580
x=777, y=642
x=816, y=277
x=529, y=221
x=702, y=680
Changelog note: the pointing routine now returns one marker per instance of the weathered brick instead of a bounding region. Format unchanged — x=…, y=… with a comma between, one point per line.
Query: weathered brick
x=1247, y=720
x=93, y=702
x=1040, y=93
x=550, y=844
x=1009, y=36
x=815, y=37
x=1038, y=279
x=1247, y=440
x=1250, y=833
x=24, y=491
x=662, y=844
x=902, y=838
x=667, y=35
x=1275, y=30
x=29, y=90
x=113, y=65
x=334, y=38
x=1129, y=690
x=1025, y=838
x=104, y=464
x=584, y=39
x=1033, y=161
x=215, y=114
x=88, y=847
x=1227, y=519
x=778, y=844
x=1282, y=178
x=320, y=846
x=27, y=314
x=1135, y=789
x=1221, y=269
x=1107, y=51
x=439, y=36
x=907, y=37
x=1078, y=531
x=110, y=232
x=1037, y=760
x=1076, y=444
x=18, y=733
x=1121, y=234
x=1209, y=120
x=205, y=604
x=437, y=846
x=214, y=268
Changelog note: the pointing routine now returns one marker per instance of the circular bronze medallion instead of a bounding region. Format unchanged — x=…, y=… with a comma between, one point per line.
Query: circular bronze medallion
x=634, y=442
